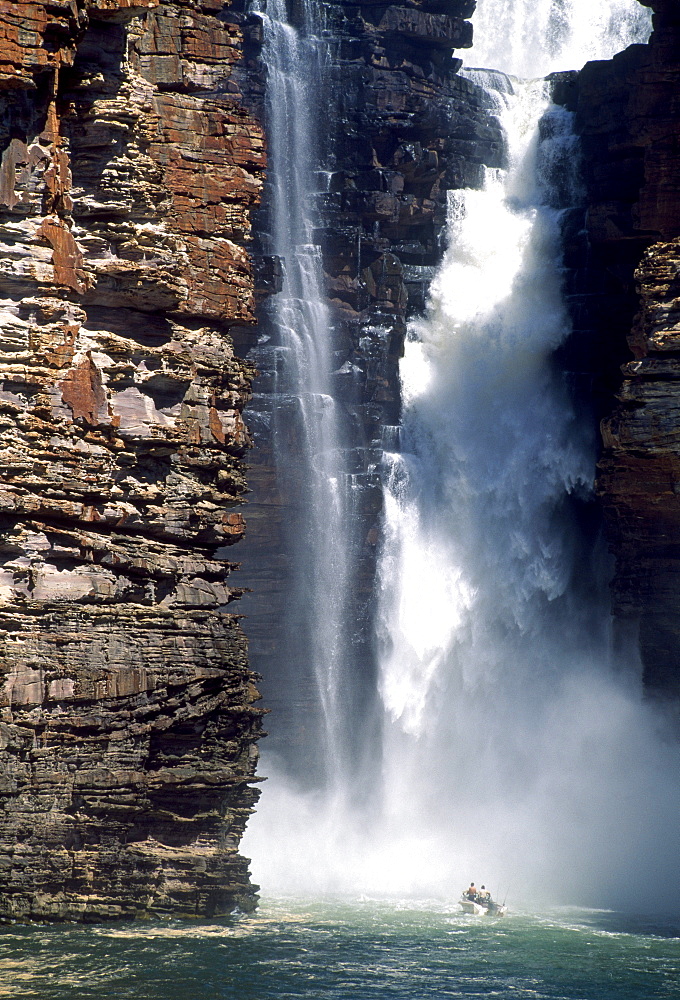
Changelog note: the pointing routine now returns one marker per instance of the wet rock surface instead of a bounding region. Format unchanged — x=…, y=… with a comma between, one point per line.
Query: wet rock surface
x=624, y=286
x=128, y=719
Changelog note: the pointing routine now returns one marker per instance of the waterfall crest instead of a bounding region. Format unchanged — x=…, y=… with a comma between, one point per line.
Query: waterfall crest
x=531, y=38
x=513, y=741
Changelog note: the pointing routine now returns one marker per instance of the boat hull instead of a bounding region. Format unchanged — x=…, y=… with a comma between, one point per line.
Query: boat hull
x=477, y=910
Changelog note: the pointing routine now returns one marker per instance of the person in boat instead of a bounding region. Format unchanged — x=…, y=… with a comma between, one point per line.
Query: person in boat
x=484, y=896
x=471, y=893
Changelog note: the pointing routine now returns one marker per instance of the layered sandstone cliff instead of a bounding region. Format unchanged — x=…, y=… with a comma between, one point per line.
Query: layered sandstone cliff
x=128, y=727
x=626, y=297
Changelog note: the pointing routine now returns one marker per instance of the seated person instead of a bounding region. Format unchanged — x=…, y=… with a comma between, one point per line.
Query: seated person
x=471, y=893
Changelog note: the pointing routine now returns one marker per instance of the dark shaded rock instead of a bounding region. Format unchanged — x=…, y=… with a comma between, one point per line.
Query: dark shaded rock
x=623, y=283
x=435, y=30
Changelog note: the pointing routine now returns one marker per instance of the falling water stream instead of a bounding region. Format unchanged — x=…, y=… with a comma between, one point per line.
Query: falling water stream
x=531, y=38
x=307, y=423
x=514, y=743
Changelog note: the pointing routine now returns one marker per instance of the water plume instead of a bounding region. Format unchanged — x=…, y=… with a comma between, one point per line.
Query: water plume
x=532, y=38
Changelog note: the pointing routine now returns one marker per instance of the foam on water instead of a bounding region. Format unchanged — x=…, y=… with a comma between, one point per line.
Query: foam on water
x=365, y=949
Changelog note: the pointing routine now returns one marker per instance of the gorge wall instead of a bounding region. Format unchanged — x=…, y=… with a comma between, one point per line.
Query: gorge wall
x=625, y=288
x=128, y=726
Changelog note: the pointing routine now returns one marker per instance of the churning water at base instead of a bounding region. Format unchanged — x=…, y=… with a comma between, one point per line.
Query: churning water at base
x=514, y=742
x=359, y=951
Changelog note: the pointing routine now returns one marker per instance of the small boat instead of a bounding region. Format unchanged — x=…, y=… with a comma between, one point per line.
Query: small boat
x=482, y=909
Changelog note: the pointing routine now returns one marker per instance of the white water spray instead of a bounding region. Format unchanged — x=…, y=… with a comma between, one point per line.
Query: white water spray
x=531, y=38
x=499, y=674
x=515, y=744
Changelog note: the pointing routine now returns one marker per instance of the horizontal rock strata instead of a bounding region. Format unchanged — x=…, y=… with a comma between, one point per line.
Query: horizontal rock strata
x=128, y=725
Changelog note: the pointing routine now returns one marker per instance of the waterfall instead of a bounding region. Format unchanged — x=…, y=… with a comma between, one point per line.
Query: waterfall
x=514, y=743
x=307, y=422
x=495, y=624
x=531, y=38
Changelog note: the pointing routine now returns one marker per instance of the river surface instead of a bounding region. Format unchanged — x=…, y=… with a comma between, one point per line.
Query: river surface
x=351, y=950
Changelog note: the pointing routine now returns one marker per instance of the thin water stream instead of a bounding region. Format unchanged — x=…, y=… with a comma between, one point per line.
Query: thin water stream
x=307, y=420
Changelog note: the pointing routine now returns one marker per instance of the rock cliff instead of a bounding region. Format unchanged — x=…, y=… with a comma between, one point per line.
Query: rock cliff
x=128, y=725
x=626, y=294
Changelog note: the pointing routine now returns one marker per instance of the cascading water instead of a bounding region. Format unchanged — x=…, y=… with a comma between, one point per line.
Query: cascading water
x=531, y=38
x=307, y=433
x=514, y=741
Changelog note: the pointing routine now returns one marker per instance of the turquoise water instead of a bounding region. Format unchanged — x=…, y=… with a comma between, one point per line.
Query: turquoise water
x=365, y=950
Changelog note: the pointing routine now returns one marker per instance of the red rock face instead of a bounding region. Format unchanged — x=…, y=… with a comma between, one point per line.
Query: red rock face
x=629, y=115
x=128, y=727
